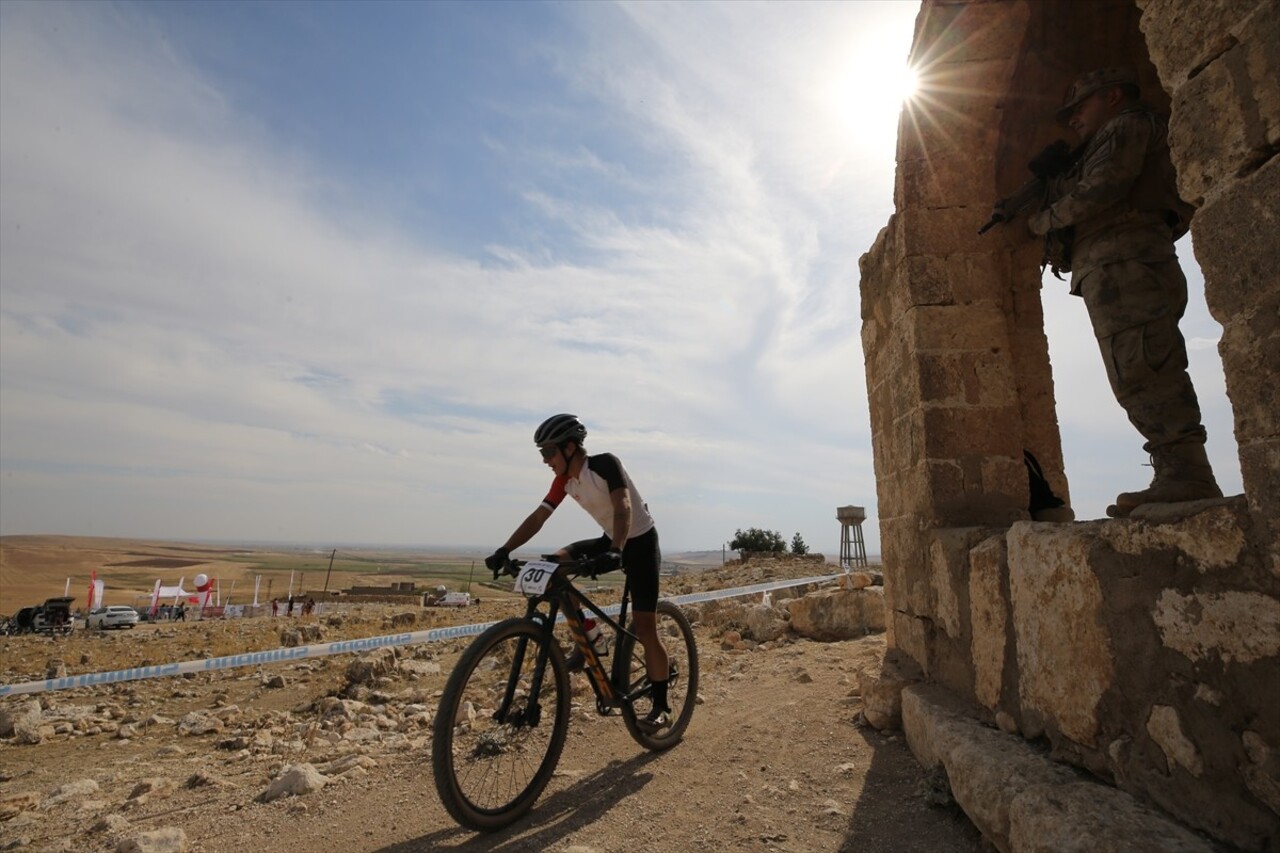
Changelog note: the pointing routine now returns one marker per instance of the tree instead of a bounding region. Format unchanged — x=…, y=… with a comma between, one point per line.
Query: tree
x=798, y=547
x=755, y=539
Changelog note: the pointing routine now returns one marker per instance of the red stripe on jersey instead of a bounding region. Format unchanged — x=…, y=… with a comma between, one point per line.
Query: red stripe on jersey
x=555, y=497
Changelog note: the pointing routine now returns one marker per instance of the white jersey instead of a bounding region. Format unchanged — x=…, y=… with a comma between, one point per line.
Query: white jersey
x=601, y=475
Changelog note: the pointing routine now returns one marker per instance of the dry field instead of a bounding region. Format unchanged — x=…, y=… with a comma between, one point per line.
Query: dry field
x=33, y=568
x=777, y=757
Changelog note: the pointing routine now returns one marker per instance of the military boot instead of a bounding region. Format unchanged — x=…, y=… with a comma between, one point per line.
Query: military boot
x=1182, y=474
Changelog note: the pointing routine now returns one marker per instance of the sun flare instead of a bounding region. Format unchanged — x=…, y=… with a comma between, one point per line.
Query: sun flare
x=908, y=83
x=869, y=92
x=874, y=91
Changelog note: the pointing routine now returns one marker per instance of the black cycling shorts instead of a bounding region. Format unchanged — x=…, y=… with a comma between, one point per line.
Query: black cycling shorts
x=641, y=560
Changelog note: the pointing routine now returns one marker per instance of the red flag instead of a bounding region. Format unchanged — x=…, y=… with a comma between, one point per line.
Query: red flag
x=93, y=587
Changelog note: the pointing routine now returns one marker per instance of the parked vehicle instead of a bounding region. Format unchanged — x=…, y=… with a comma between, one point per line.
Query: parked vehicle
x=449, y=600
x=20, y=622
x=52, y=617
x=112, y=616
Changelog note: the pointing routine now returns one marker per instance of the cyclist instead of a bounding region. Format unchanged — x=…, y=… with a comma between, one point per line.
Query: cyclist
x=603, y=488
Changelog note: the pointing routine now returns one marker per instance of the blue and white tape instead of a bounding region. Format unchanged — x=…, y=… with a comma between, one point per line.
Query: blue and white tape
x=341, y=647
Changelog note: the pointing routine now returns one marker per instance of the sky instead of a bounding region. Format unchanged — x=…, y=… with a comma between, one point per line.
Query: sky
x=314, y=272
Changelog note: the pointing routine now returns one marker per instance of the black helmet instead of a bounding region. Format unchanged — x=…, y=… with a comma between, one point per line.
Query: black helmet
x=558, y=429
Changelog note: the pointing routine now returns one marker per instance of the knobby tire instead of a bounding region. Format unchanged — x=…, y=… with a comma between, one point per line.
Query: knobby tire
x=489, y=773
x=682, y=694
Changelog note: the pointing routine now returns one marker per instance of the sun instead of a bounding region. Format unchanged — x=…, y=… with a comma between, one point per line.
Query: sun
x=867, y=81
x=874, y=78
x=880, y=88
x=870, y=94
x=907, y=83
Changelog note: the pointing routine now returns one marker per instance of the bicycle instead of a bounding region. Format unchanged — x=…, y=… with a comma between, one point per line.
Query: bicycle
x=504, y=715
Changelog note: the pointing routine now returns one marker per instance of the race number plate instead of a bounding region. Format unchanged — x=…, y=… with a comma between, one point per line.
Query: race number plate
x=534, y=577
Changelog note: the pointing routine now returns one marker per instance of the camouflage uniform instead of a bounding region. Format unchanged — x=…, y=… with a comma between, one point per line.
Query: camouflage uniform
x=1120, y=199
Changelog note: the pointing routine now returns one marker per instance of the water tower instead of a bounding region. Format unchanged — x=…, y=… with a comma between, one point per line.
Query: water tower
x=853, y=551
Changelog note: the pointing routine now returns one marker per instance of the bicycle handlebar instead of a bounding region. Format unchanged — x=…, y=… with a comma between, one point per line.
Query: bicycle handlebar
x=512, y=567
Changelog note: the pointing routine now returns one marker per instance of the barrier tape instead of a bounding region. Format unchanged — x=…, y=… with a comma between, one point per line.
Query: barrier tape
x=342, y=647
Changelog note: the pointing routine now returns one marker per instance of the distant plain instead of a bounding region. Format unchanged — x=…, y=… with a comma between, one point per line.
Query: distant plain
x=33, y=568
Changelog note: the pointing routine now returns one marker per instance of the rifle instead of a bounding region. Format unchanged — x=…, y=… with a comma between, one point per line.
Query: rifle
x=1056, y=158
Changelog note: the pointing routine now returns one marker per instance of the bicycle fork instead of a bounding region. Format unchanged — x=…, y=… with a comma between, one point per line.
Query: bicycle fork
x=531, y=713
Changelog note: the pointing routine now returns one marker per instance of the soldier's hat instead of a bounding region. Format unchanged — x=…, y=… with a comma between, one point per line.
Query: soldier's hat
x=1103, y=78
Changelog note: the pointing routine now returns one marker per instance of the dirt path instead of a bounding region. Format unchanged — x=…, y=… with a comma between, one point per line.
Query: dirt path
x=776, y=757
x=774, y=760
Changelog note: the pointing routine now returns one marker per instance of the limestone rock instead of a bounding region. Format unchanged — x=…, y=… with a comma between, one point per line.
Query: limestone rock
x=988, y=618
x=22, y=723
x=170, y=839
x=1166, y=730
x=1023, y=801
x=882, y=693
x=856, y=580
x=348, y=763
x=1262, y=775
x=1085, y=817
x=838, y=614
x=1064, y=652
x=763, y=623
x=295, y=781
x=70, y=791
x=1227, y=117
x=1231, y=625
x=371, y=665
x=196, y=723
x=301, y=635
x=153, y=785
x=204, y=778
x=113, y=823
x=419, y=667
x=10, y=714
x=12, y=805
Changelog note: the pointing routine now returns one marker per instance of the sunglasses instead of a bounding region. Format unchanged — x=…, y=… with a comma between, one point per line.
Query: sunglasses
x=548, y=450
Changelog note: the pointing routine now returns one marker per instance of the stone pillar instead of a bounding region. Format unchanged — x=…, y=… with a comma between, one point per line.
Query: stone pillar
x=1220, y=61
x=1144, y=649
x=957, y=361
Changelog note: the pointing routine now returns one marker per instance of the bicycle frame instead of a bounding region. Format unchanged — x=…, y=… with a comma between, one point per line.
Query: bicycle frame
x=562, y=597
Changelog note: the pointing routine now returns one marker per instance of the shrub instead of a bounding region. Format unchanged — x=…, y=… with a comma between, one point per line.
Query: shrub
x=755, y=539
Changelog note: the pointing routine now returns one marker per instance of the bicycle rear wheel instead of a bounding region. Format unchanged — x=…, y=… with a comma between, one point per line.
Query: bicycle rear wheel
x=490, y=765
x=682, y=690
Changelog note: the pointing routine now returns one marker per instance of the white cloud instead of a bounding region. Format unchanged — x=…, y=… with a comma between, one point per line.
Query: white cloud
x=194, y=345
x=195, y=340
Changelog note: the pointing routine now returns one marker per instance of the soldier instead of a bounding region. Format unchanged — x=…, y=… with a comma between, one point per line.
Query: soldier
x=1117, y=210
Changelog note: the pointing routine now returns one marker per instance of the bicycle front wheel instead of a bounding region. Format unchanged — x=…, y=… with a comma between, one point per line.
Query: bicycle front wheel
x=682, y=689
x=495, y=744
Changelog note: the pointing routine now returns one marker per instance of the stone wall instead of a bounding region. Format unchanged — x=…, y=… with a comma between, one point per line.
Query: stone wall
x=1220, y=61
x=1143, y=650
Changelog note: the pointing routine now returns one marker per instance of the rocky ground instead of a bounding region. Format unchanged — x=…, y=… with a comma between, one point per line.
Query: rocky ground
x=334, y=753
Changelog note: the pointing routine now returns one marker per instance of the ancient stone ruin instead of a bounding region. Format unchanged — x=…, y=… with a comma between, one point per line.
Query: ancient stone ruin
x=1113, y=680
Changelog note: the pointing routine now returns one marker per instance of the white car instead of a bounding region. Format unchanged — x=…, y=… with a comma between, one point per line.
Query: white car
x=454, y=599
x=112, y=616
